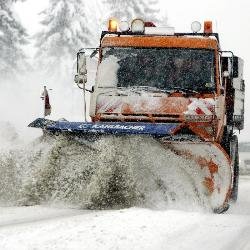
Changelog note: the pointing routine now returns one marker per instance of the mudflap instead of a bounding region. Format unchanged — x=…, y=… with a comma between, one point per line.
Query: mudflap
x=212, y=168
x=234, y=151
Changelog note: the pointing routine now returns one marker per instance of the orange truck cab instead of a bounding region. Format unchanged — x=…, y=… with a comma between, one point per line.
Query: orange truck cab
x=157, y=76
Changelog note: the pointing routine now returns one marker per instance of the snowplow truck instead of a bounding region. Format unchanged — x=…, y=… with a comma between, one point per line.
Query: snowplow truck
x=180, y=88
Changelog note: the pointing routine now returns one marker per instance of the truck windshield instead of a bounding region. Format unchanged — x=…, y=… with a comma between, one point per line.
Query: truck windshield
x=162, y=68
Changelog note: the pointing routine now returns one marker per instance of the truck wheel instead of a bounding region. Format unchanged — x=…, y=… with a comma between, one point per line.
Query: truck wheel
x=234, y=153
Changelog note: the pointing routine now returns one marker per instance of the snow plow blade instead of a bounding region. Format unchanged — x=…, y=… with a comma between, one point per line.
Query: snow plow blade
x=108, y=128
x=212, y=170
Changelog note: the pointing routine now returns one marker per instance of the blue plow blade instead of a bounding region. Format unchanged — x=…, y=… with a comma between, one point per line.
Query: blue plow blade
x=116, y=128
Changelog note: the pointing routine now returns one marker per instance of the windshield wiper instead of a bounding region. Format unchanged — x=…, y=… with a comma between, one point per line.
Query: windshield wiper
x=152, y=89
x=186, y=90
x=124, y=91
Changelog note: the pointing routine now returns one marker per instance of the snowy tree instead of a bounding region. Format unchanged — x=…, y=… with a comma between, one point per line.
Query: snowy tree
x=151, y=10
x=97, y=19
x=65, y=31
x=12, y=39
x=129, y=9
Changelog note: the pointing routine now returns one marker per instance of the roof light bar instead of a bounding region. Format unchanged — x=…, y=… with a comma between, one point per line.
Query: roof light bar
x=159, y=30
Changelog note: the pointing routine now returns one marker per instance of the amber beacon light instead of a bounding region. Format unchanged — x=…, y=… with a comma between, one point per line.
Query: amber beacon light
x=208, y=27
x=112, y=25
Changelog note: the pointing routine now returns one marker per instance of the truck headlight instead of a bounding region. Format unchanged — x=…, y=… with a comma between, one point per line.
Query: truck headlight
x=123, y=26
x=196, y=26
x=137, y=26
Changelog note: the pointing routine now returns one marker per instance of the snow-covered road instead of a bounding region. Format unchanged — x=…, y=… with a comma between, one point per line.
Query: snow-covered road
x=43, y=227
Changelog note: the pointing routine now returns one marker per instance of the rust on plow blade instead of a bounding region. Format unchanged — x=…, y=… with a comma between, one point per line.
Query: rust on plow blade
x=213, y=167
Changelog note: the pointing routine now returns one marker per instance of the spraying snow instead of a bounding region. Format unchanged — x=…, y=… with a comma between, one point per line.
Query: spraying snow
x=111, y=172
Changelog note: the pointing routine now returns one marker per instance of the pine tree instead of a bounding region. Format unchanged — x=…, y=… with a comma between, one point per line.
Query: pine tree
x=64, y=32
x=151, y=10
x=129, y=9
x=12, y=39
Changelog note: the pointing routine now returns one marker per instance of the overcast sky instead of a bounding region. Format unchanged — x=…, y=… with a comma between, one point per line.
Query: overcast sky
x=231, y=19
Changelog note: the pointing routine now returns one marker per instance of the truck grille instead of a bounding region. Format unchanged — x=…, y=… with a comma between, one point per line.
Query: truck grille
x=141, y=117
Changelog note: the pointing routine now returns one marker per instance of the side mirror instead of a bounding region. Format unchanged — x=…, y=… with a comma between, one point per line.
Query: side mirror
x=222, y=90
x=80, y=79
x=226, y=74
x=235, y=67
x=94, y=53
x=81, y=76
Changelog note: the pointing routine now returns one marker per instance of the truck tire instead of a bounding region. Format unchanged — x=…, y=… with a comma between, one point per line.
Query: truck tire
x=234, y=153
